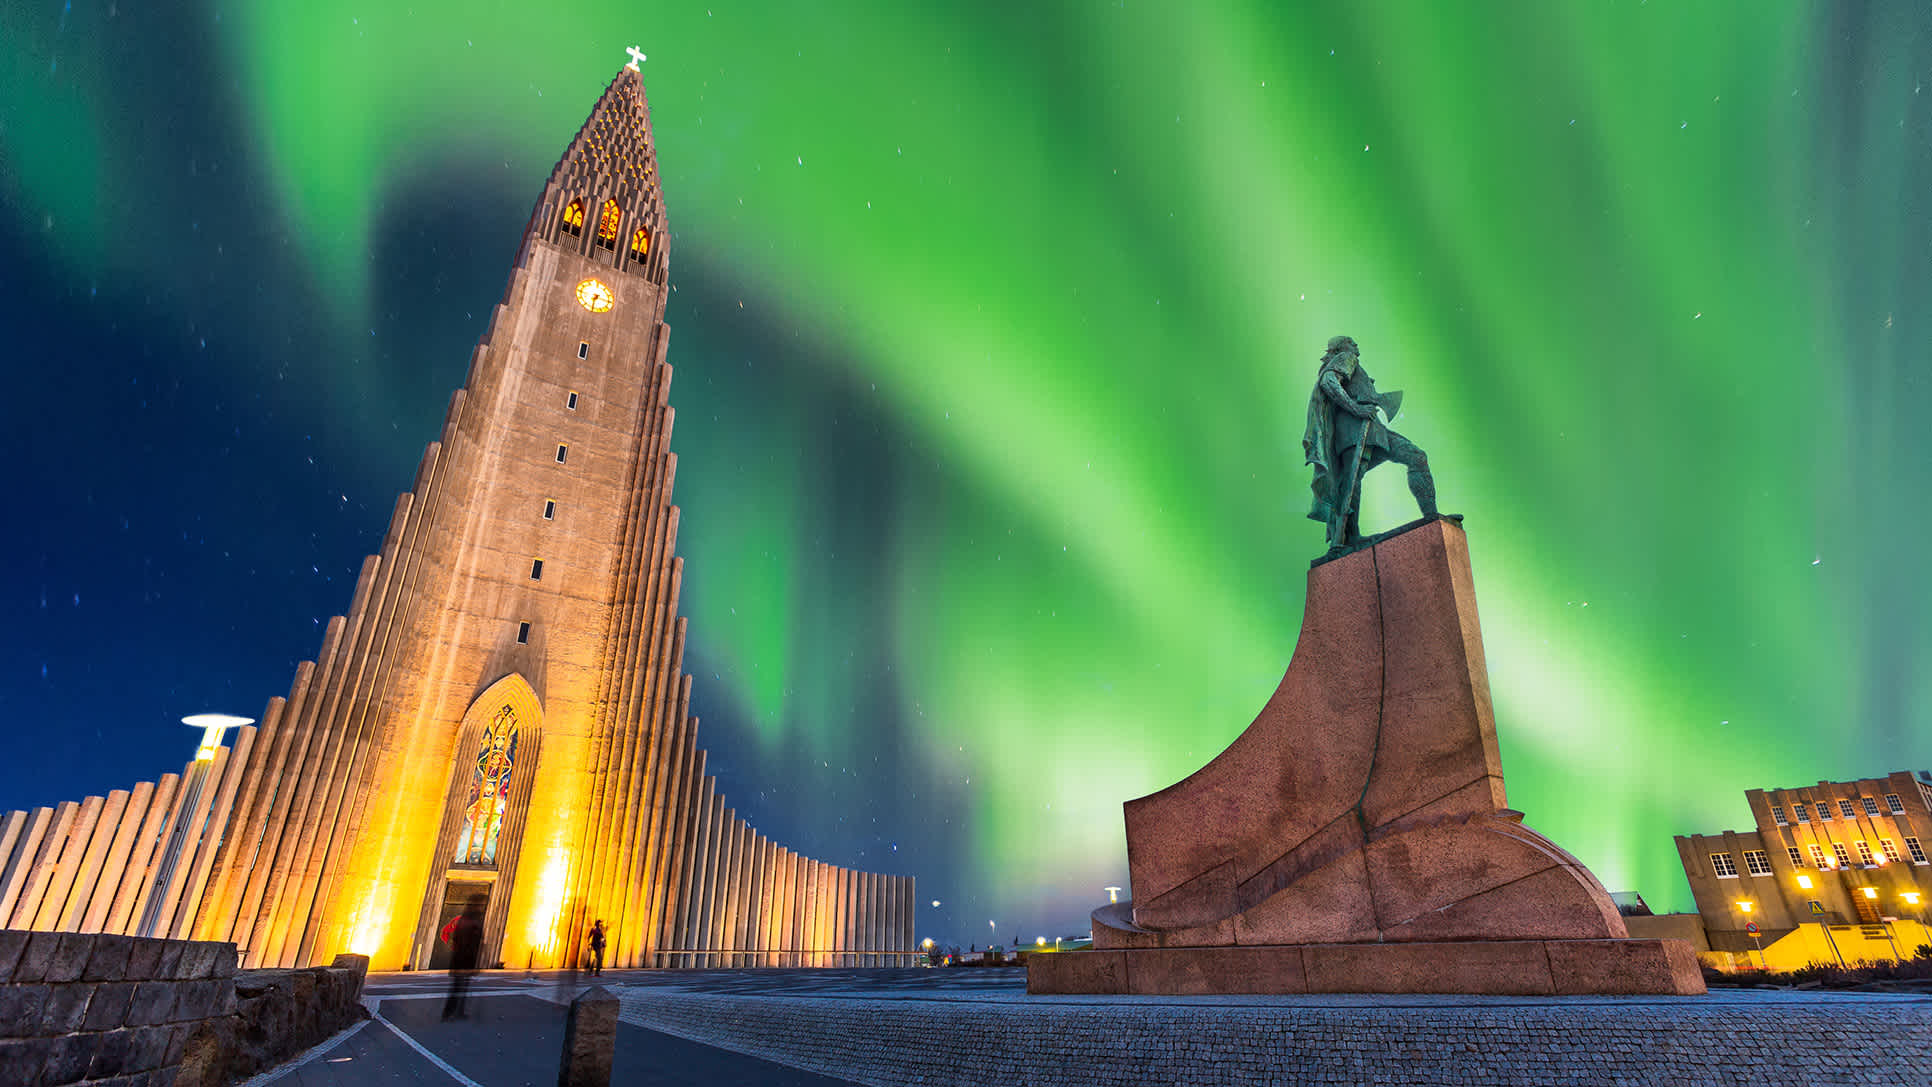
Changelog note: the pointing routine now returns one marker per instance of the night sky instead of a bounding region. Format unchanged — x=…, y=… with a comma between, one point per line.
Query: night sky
x=994, y=327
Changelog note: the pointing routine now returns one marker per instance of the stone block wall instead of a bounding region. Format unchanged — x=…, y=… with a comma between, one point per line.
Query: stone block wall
x=276, y=1015
x=103, y=1008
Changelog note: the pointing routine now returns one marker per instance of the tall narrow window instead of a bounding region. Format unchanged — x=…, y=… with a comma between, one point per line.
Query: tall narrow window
x=523, y=634
x=583, y=349
x=573, y=219
x=1844, y=858
x=640, y=244
x=1818, y=856
x=1864, y=852
x=571, y=401
x=607, y=225
x=1917, y=851
x=549, y=509
x=563, y=451
x=536, y=569
x=1889, y=848
x=489, y=795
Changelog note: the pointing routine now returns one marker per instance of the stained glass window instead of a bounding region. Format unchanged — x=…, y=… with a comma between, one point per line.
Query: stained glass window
x=640, y=244
x=489, y=794
x=607, y=225
x=573, y=217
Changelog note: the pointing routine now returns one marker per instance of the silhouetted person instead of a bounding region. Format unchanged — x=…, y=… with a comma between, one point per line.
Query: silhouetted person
x=597, y=948
x=465, y=948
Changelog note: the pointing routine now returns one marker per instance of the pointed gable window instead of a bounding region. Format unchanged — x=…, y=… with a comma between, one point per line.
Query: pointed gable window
x=640, y=244
x=573, y=219
x=489, y=795
x=607, y=225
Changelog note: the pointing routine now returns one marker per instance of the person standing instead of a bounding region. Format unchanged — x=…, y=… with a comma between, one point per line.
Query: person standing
x=597, y=948
x=465, y=950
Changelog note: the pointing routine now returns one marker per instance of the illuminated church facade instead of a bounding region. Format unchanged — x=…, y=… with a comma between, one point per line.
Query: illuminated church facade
x=502, y=710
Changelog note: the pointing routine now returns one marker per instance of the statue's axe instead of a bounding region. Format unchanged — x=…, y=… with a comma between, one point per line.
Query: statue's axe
x=1390, y=402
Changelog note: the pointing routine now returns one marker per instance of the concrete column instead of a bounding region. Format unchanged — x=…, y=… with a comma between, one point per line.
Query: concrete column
x=134, y=880
x=26, y=834
x=60, y=878
x=114, y=863
x=87, y=877
x=38, y=872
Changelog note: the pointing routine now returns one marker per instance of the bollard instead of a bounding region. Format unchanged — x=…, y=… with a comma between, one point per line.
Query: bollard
x=590, y=1040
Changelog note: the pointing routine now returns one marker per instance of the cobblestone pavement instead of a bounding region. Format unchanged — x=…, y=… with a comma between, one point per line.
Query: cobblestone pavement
x=979, y=1027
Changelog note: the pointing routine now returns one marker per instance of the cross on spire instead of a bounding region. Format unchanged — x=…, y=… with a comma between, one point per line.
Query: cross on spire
x=637, y=57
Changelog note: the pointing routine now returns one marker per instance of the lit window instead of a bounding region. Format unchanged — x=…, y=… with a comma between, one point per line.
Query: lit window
x=1871, y=806
x=1777, y=815
x=1864, y=852
x=1797, y=858
x=489, y=795
x=583, y=349
x=1756, y=863
x=1889, y=848
x=573, y=219
x=1844, y=858
x=549, y=509
x=563, y=451
x=1912, y=847
x=640, y=244
x=1721, y=864
x=607, y=225
x=536, y=569
x=1845, y=809
x=523, y=634
x=571, y=401
x=1892, y=801
x=1804, y=812
x=1818, y=857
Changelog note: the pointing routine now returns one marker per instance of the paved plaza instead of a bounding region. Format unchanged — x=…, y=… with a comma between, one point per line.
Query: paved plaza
x=793, y=1028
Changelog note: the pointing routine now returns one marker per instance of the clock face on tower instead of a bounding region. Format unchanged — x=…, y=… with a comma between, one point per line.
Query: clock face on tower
x=594, y=296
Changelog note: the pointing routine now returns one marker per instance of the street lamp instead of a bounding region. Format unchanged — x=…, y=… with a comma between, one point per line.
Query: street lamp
x=212, y=725
x=1745, y=906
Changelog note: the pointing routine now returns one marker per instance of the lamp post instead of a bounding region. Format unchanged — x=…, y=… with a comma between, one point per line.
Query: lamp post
x=212, y=725
x=1745, y=906
x=1113, y=894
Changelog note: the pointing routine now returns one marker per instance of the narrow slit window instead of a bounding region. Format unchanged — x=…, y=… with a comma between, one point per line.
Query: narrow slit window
x=583, y=349
x=523, y=634
x=563, y=452
x=640, y=244
x=571, y=401
x=536, y=569
x=549, y=509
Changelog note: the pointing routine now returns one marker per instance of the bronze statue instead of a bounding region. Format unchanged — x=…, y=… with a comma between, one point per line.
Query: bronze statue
x=1344, y=439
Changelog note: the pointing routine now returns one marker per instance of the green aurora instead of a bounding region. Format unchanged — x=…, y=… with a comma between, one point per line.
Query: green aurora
x=996, y=325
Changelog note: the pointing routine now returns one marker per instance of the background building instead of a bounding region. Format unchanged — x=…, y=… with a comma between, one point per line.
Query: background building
x=502, y=711
x=1836, y=871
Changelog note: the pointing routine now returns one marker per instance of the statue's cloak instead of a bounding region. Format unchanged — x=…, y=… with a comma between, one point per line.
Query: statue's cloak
x=1332, y=432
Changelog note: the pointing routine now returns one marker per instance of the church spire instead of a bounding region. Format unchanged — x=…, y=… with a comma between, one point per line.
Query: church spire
x=602, y=200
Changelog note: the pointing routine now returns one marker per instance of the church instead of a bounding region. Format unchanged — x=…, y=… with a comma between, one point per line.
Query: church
x=502, y=710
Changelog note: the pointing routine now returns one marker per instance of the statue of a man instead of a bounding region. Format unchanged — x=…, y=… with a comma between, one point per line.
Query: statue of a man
x=1344, y=439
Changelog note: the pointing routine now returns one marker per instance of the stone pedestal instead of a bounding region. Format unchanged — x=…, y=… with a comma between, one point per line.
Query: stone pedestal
x=1356, y=837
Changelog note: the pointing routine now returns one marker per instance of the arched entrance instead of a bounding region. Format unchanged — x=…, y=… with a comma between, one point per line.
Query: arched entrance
x=489, y=792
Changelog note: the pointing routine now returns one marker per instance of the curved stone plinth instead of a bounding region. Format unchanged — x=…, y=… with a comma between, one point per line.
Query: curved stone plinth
x=1364, y=809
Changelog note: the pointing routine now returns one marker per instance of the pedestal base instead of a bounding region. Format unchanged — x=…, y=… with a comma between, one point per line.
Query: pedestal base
x=1496, y=967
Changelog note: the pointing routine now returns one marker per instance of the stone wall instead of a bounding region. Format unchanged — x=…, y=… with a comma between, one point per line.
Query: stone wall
x=101, y=1008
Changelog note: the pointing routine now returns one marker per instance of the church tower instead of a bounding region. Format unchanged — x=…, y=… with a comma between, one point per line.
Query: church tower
x=502, y=712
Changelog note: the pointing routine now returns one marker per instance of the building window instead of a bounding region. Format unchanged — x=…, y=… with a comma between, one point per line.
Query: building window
x=1871, y=806
x=523, y=634
x=1777, y=815
x=1818, y=857
x=1889, y=848
x=571, y=401
x=1756, y=863
x=1721, y=864
x=536, y=569
x=1797, y=858
x=583, y=349
x=573, y=219
x=1845, y=809
x=549, y=509
x=489, y=794
x=1912, y=847
x=1864, y=852
x=1804, y=812
x=563, y=451
x=1892, y=802
x=1844, y=858
x=607, y=225
x=1824, y=812
x=640, y=244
